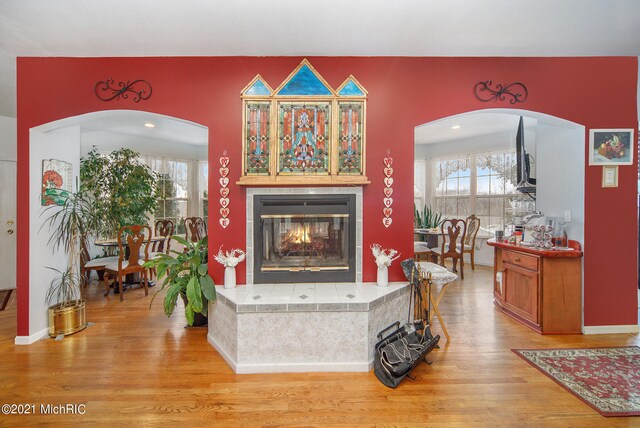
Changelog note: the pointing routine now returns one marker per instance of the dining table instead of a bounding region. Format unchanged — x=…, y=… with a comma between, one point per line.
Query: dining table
x=440, y=277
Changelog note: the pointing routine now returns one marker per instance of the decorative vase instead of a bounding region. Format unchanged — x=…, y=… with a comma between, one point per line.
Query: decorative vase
x=230, y=277
x=383, y=276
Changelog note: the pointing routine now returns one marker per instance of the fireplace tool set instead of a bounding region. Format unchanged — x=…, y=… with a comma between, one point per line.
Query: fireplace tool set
x=400, y=351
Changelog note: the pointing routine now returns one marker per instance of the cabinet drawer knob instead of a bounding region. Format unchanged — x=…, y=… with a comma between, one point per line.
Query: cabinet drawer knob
x=517, y=259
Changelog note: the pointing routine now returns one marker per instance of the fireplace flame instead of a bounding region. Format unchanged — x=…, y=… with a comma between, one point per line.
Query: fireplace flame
x=298, y=234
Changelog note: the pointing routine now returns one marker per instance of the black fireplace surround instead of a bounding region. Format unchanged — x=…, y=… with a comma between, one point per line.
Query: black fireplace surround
x=304, y=238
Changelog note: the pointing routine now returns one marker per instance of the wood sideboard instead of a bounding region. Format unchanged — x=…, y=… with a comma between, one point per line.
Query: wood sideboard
x=540, y=288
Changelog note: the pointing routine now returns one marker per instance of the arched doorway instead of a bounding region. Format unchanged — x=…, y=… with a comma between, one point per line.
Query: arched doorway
x=159, y=139
x=465, y=164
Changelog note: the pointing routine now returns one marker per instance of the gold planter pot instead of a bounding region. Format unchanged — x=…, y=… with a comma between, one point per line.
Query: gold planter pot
x=66, y=319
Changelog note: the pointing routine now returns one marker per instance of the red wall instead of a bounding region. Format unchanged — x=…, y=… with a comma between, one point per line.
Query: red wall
x=403, y=93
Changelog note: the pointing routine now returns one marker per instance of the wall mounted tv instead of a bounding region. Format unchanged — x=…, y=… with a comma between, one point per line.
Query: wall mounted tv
x=526, y=184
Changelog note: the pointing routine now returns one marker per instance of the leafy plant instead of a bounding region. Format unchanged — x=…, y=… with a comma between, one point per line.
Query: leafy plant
x=122, y=188
x=427, y=218
x=185, y=273
x=70, y=224
x=65, y=288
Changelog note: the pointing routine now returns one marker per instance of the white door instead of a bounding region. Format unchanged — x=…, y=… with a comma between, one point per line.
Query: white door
x=7, y=225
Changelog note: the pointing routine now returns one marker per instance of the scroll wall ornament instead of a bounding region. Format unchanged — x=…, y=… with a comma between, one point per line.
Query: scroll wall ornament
x=108, y=91
x=516, y=91
x=224, y=190
x=387, y=201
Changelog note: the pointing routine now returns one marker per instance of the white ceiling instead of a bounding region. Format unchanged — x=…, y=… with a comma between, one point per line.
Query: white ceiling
x=132, y=123
x=484, y=122
x=296, y=28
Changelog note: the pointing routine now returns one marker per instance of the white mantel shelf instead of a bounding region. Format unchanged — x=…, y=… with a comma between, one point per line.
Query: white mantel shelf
x=267, y=328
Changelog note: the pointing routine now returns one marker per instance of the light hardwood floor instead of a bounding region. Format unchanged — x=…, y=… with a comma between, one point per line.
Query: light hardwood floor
x=136, y=367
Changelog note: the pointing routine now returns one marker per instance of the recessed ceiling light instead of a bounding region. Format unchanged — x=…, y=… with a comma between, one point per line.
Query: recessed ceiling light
x=149, y=125
x=455, y=127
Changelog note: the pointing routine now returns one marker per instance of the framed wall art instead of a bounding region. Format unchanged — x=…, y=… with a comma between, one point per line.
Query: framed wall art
x=56, y=181
x=610, y=176
x=610, y=146
x=303, y=132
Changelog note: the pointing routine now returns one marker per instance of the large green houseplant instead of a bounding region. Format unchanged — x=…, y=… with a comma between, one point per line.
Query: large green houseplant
x=123, y=189
x=185, y=273
x=69, y=225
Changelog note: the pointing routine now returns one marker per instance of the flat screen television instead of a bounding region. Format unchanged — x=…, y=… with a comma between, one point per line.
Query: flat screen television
x=526, y=184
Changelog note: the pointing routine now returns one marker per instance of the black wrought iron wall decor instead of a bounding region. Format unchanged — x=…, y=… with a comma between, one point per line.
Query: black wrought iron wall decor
x=516, y=91
x=107, y=91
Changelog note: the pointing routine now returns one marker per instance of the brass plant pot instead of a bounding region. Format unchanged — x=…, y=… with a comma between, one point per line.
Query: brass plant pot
x=66, y=319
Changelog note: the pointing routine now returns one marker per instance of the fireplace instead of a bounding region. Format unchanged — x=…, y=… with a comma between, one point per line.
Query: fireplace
x=304, y=238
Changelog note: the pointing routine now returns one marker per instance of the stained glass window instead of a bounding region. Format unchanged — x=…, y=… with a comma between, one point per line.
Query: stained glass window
x=304, y=82
x=258, y=88
x=257, y=142
x=350, y=138
x=351, y=88
x=304, y=138
x=304, y=127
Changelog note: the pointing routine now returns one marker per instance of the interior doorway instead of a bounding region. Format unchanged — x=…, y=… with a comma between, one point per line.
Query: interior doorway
x=7, y=233
x=154, y=137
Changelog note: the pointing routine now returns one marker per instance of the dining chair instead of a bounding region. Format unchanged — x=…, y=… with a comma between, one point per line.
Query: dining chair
x=131, y=240
x=421, y=251
x=196, y=228
x=453, y=234
x=469, y=246
x=162, y=228
x=87, y=264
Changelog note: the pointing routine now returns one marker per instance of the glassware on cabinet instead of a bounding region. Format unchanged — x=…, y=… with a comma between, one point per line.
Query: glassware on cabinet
x=560, y=236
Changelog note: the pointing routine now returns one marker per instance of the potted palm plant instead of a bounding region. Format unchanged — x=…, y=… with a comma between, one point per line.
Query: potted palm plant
x=185, y=274
x=70, y=224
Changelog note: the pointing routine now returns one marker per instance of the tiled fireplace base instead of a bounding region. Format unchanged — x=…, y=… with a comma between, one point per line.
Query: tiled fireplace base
x=303, y=327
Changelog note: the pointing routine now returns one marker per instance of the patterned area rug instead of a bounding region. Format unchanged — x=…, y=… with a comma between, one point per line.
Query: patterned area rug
x=607, y=379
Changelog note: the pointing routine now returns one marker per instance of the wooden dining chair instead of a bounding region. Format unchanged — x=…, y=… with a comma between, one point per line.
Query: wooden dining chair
x=469, y=245
x=131, y=241
x=196, y=228
x=87, y=264
x=421, y=251
x=163, y=228
x=453, y=234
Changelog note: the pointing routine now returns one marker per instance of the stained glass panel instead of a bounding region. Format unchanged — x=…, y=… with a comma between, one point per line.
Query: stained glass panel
x=258, y=88
x=304, y=82
x=351, y=89
x=304, y=134
x=257, y=152
x=350, y=138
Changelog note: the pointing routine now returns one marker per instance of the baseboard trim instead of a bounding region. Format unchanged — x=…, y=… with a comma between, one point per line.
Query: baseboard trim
x=301, y=367
x=222, y=352
x=28, y=340
x=611, y=329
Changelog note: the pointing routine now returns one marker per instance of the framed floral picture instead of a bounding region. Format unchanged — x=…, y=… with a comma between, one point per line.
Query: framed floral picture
x=56, y=181
x=610, y=146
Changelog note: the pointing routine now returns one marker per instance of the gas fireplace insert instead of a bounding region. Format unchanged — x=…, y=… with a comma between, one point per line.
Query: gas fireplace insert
x=304, y=238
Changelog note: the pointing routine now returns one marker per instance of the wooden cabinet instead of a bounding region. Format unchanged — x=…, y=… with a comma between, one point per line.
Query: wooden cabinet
x=541, y=289
x=521, y=291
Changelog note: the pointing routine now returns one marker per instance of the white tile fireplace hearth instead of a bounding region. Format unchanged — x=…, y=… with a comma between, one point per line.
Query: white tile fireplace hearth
x=269, y=328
